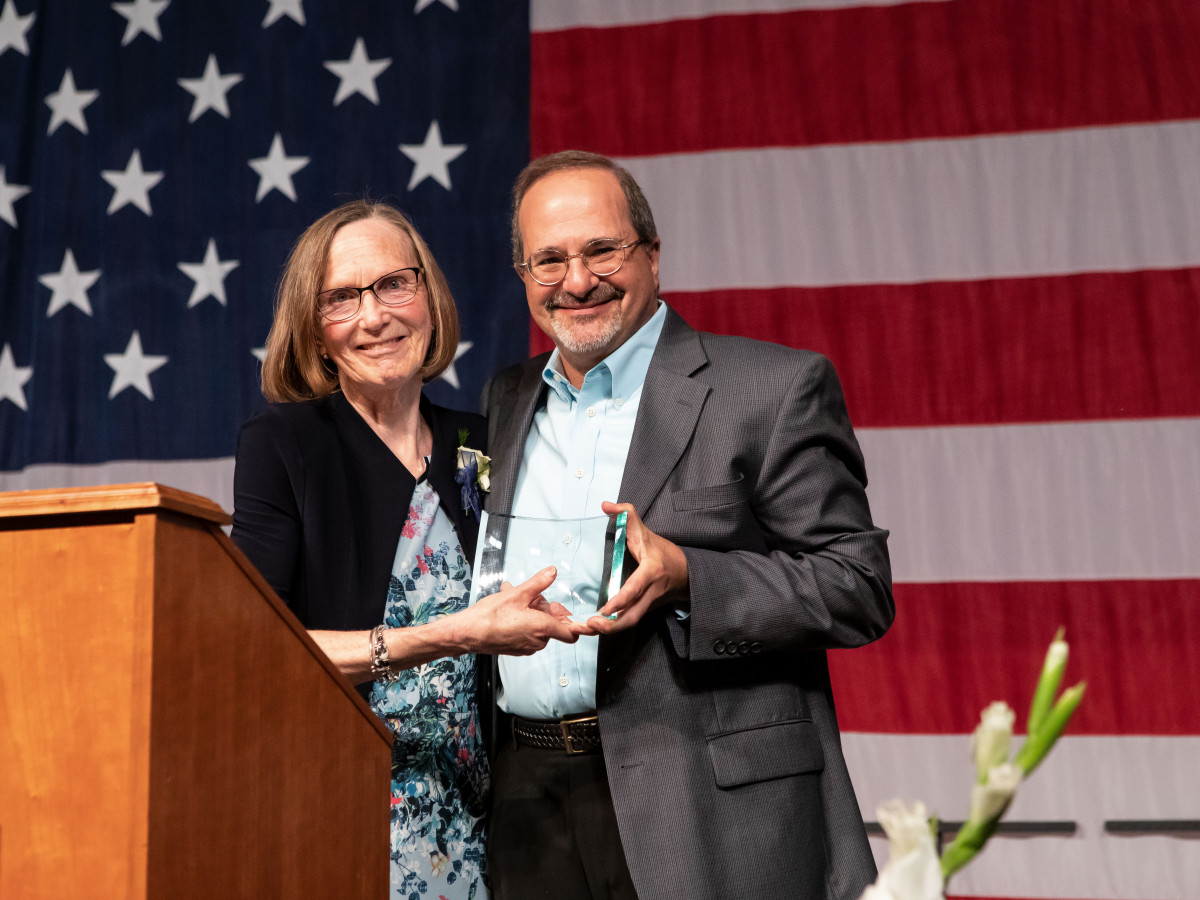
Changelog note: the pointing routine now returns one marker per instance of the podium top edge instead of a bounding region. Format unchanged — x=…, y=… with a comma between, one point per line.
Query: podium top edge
x=108, y=498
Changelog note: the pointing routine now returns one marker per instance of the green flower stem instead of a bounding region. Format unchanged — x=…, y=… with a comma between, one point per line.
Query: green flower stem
x=1037, y=745
x=1048, y=682
x=969, y=841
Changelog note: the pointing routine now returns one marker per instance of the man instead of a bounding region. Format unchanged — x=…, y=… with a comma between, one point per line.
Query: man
x=713, y=766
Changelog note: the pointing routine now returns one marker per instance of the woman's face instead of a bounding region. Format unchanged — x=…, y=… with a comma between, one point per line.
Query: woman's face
x=382, y=348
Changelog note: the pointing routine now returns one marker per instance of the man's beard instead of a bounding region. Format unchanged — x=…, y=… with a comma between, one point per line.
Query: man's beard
x=591, y=336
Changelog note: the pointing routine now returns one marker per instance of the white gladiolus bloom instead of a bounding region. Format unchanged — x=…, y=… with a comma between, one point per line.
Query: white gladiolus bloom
x=912, y=871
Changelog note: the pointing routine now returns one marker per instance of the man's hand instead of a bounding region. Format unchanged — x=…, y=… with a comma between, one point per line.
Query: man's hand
x=661, y=575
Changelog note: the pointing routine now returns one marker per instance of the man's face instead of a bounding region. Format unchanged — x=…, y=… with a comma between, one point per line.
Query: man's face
x=587, y=316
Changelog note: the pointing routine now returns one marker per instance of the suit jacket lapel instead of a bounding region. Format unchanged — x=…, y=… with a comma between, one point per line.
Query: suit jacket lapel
x=512, y=414
x=667, y=414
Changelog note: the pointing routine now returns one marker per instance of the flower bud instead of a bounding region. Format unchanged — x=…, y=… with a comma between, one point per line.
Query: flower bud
x=1048, y=682
x=1038, y=745
x=992, y=738
x=988, y=803
x=990, y=799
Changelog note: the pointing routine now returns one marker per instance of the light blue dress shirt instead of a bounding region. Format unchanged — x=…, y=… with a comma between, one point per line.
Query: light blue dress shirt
x=574, y=459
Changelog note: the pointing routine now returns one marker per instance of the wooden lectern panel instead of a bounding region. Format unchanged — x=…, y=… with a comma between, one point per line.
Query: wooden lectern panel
x=74, y=684
x=167, y=729
x=206, y=729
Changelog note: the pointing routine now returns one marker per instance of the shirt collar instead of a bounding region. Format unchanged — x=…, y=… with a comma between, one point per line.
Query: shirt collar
x=627, y=365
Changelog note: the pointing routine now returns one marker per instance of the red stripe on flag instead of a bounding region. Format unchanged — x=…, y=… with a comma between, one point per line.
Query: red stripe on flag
x=1076, y=347
x=1093, y=346
x=865, y=73
x=955, y=648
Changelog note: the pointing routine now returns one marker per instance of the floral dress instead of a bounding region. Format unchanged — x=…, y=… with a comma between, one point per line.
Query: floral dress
x=439, y=768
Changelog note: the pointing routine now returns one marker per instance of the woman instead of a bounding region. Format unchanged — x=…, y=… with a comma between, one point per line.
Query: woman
x=346, y=501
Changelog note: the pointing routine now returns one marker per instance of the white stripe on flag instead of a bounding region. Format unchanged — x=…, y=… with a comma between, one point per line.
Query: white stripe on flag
x=1064, y=501
x=556, y=15
x=1087, y=780
x=1100, y=499
x=211, y=478
x=1040, y=203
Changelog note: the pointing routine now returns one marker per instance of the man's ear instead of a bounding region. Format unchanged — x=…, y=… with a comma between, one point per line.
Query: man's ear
x=652, y=252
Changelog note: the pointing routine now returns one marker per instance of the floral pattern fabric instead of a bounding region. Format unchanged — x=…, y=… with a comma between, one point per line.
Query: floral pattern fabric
x=439, y=767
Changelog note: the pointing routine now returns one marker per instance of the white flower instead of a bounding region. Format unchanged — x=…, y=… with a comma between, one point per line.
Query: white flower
x=483, y=475
x=992, y=738
x=907, y=828
x=990, y=799
x=912, y=871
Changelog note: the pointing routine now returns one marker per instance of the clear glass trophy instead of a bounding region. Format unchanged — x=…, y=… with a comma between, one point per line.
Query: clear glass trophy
x=588, y=553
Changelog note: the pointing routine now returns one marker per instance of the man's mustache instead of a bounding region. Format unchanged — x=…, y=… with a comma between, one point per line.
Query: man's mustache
x=600, y=294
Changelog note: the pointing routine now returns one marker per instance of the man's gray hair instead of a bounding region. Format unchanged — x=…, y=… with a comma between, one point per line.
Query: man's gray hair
x=639, y=210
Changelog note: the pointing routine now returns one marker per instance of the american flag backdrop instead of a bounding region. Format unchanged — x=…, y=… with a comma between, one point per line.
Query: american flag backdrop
x=158, y=158
x=985, y=212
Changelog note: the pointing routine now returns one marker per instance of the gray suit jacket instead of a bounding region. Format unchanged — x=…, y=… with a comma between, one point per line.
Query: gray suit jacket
x=719, y=732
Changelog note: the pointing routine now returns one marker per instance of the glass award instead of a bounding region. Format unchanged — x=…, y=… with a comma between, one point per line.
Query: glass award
x=588, y=553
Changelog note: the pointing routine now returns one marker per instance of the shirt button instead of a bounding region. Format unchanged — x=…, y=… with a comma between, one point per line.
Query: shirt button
x=618, y=401
x=591, y=411
x=579, y=473
x=566, y=539
x=563, y=680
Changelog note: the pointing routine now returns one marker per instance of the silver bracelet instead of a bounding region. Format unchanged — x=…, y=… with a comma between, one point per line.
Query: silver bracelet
x=381, y=665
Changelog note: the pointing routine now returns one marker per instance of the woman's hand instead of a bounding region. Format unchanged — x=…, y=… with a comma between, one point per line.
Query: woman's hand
x=518, y=621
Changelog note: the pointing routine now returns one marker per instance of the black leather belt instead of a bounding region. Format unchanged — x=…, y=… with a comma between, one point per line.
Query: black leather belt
x=575, y=734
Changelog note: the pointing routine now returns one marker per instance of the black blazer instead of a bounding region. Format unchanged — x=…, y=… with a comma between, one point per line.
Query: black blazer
x=319, y=501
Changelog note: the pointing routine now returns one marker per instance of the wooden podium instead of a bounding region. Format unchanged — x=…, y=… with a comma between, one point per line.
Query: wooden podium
x=167, y=727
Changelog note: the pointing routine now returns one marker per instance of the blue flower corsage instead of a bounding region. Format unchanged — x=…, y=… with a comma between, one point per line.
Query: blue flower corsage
x=472, y=475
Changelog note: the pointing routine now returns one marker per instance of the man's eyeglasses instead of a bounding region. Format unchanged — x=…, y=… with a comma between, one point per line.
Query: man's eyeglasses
x=603, y=256
x=393, y=289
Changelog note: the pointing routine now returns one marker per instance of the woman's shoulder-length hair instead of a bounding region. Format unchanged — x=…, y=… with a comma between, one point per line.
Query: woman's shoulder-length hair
x=294, y=369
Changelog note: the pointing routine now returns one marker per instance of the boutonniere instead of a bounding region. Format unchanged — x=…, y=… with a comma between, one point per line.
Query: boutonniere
x=472, y=473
